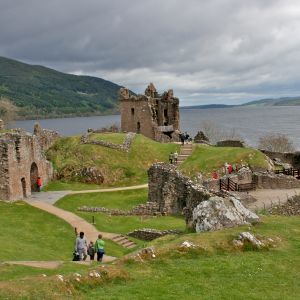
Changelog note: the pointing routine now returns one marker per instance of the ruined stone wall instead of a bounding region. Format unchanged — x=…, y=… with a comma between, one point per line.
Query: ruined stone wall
x=20, y=151
x=265, y=180
x=173, y=192
x=136, y=116
x=290, y=158
x=230, y=143
x=153, y=115
x=46, y=137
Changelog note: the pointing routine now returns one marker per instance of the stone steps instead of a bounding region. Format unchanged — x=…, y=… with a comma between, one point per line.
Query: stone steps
x=124, y=241
x=185, y=151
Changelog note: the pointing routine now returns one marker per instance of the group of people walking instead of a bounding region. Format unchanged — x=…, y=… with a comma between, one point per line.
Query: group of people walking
x=83, y=249
x=173, y=157
x=184, y=137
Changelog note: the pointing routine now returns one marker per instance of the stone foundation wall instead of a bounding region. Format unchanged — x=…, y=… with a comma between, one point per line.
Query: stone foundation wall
x=148, y=234
x=274, y=181
x=230, y=143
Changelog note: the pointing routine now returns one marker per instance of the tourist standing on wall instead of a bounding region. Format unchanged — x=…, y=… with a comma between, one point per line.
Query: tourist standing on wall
x=99, y=247
x=39, y=184
x=81, y=245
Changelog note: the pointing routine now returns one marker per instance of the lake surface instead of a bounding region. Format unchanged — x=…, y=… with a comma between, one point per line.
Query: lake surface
x=249, y=122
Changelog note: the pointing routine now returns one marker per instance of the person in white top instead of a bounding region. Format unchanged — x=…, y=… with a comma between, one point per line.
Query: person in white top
x=81, y=246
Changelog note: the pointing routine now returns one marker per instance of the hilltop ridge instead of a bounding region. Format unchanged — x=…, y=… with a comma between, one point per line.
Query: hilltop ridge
x=43, y=92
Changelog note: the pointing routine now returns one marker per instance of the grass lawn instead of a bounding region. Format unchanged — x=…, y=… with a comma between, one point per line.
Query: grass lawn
x=32, y=234
x=118, y=168
x=206, y=159
x=116, y=138
x=124, y=200
x=215, y=271
x=28, y=233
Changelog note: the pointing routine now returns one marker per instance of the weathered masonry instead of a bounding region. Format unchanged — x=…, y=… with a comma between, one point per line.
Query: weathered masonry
x=22, y=160
x=153, y=115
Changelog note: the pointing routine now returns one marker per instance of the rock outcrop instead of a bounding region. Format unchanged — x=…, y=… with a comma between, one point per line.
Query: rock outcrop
x=218, y=213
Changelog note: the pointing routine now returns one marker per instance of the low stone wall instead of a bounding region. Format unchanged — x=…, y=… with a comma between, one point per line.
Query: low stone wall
x=148, y=234
x=147, y=209
x=230, y=143
x=123, y=147
x=265, y=180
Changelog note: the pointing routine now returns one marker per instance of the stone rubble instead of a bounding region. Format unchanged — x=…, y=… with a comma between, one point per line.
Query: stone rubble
x=217, y=213
x=247, y=237
x=148, y=234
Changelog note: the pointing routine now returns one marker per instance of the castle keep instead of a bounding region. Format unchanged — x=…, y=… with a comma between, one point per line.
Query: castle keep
x=153, y=115
x=22, y=160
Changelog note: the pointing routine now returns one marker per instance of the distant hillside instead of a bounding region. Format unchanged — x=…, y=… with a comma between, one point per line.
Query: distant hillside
x=206, y=106
x=43, y=92
x=285, y=101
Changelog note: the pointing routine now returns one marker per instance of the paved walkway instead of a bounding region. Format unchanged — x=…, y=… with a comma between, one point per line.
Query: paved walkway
x=268, y=197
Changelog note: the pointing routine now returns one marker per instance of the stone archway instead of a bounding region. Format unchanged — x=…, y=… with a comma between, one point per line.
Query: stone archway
x=34, y=173
x=138, y=127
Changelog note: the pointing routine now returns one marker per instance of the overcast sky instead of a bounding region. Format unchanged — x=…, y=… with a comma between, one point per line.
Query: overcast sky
x=208, y=51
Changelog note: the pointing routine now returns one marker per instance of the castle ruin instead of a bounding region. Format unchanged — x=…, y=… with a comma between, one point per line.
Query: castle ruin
x=23, y=160
x=153, y=115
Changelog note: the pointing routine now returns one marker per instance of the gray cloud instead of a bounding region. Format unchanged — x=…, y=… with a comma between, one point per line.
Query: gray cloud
x=226, y=51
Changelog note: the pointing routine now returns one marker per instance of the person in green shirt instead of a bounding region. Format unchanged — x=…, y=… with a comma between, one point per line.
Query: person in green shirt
x=99, y=248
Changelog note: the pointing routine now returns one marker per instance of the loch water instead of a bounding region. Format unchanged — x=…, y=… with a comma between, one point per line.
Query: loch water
x=249, y=122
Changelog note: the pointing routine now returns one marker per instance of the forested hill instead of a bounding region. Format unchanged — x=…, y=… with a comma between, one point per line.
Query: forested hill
x=43, y=92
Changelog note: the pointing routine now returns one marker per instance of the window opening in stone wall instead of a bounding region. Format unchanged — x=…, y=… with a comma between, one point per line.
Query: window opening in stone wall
x=17, y=149
x=132, y=111
x=138, y=127
x=34, y=173
x=23, y=183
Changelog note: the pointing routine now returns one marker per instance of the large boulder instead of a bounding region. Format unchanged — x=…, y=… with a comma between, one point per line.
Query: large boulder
x=218, y=213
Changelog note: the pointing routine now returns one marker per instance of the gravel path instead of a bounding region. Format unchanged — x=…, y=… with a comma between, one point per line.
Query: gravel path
x=268, y=197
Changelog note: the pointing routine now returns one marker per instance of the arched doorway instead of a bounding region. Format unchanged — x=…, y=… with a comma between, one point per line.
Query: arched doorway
x=34, y=173
x=23, y=183
x=138, y=127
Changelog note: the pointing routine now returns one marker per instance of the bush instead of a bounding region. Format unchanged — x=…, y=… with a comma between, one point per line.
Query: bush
x=276, y=142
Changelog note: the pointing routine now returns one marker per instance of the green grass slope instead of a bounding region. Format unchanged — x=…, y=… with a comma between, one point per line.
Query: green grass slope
x=118, y=167
x=206, y=159
x=124, y=200
x=28, y=233
x=43, y=92
x=214, y=271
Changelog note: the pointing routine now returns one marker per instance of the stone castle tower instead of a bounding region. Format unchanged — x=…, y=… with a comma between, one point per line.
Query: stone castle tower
x=153, y=115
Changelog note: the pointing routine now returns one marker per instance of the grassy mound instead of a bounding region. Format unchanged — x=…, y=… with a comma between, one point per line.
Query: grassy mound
x=118, y=168
x=206, y=159
x=123, y=200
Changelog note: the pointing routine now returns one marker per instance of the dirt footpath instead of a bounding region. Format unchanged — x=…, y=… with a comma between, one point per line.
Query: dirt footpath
x=268, y=197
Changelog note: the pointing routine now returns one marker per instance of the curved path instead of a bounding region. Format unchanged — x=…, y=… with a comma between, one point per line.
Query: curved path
x=45, y=201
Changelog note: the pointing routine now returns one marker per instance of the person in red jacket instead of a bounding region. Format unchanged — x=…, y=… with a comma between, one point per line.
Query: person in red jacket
x=39, y=184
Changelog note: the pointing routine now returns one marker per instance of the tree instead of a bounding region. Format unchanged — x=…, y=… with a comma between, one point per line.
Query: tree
x=215, y=133
x=8, y=111
x=276, y=142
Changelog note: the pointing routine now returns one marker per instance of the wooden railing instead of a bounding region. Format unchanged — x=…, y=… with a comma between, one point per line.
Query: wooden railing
x=228, y=185
x=290, y=172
